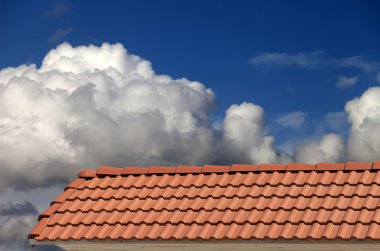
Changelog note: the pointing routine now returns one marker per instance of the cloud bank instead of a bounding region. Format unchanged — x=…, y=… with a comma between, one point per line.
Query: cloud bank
x=90, y=105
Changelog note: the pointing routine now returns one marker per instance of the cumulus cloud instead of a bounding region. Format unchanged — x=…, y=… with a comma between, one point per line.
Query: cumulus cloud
x=245, y=137
x=89, y=105
x=330, y=148
x=345, y=82
x=364, y=116
x=363, y=139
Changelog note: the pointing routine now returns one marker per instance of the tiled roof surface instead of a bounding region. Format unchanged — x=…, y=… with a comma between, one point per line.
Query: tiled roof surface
x=294, y=201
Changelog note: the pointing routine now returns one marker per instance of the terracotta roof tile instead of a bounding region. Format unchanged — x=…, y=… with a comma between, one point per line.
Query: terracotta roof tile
x=215, y=169
x=188, y=169
x=358, y=166
x=134, y=170
x=294, y=201
x=271, y=167
x=243, y=168
x=108, y=171
x=329, y=166
x=376, y=165
x=161, y=169
x=87, y=173
x=300, y=167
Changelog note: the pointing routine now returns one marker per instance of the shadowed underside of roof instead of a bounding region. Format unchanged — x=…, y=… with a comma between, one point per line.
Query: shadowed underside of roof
x=293, y=201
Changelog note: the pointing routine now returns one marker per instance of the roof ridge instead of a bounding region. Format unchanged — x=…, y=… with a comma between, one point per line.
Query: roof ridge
x=182, y=169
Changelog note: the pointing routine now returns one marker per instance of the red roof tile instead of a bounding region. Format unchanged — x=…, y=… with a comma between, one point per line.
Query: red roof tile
x=329, y=166
x=108, y=171
x=243, y=168
x=271, y=167
x=215, y=169
x=300, y=167
x=134, y=170
x=376, y=165
x=358, y=166
x=294, y=201
x=161, y=169
x=188, y=169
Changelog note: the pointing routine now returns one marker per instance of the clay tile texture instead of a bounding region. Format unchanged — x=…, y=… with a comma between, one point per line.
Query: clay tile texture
x=329, y=201
x=161, y=169
x=271, y=167
x=108, y=171
x=330, y=166
x=215, y=169
x=188, y=169
x=134, y=170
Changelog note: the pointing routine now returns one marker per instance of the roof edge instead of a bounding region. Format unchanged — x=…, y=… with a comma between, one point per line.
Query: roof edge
x=207, y=169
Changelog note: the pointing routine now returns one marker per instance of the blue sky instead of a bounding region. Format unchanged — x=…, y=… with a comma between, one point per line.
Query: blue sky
x=213, y=42
x=294, y=81
x=236, y=49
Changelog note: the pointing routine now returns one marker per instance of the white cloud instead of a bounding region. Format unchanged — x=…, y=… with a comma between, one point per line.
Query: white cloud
x=359, y=62
x=330, y=148
x=364, y=116
x=316, y=60
x=245, y=137
x=302, y=59
x=345, y=82
x=363, y=140
x=293, y=120
x=90, y=105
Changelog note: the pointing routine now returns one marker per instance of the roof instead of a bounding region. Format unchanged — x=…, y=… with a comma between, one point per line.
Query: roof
x=267, y=201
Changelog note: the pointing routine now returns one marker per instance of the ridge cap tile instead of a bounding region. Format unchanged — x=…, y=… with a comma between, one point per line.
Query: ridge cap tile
x=108, y=171
x=188, y=169
x=356, y=166
x=87, y=173
x=215, y=169
x=326, y=166
x=243, y=168
x=271, y=167
x=376, y=165
x=134, y=170
x=300, y=167
x=161, y=169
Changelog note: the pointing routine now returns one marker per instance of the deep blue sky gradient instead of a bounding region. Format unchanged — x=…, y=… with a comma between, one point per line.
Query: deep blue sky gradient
x=213, y=41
